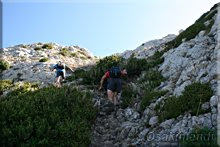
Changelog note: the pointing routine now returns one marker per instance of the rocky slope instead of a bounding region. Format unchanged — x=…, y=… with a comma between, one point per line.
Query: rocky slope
x=149, y=48
x=193, y=60
x=189, y=59
x=33, y=62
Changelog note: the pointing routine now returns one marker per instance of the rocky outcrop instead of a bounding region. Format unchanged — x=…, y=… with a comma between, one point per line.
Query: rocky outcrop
x=149, y=48
x=24, y=60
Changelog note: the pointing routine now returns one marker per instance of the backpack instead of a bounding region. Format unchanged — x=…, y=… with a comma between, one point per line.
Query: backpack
x=60, y=67
x=115, y=72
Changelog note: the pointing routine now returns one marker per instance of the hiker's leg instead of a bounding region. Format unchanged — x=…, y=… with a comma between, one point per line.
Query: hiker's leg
x=58, y=82
x=118, y=90
x=57, y=77
x=63, y=76
x=110, y=89
x=115, y=98
x=110, y=95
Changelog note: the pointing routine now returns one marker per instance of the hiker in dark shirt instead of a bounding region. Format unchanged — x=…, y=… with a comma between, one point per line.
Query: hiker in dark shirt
x=114, y=85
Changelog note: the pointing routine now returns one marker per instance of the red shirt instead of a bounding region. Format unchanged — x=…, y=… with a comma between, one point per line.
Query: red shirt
x=107, y=74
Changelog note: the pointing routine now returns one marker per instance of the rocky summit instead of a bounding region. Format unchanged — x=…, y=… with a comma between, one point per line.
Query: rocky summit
x=170, y=92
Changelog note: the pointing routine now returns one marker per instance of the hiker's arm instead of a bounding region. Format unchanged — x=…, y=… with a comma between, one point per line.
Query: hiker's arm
x=52, y=68
x=101, y=82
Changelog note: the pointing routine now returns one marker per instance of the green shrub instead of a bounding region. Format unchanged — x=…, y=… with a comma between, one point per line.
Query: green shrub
x=135, y=66
x=23, y=46
x=43, y=60
x=215, y=6
x=5, y=84
x=4, y=65
x=149, y=96
x=65, y=52
x=200, y=137
x=82, y=53
x=191, y=101
x=127, y=96
x=37, y=48
x=156, y=59
x=151, y=80
x=107, y=62
x=47, y=117
x=47, y=46
x=93, y=76
x=210, y=16
x=188, y=34
x=23, y=87
x=83, y=58
x=17, y=88
x=73, y=55
x=191, y=31
x=209, y=27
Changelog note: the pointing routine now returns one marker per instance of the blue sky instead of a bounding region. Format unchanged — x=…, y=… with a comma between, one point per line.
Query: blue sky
x=102, y=26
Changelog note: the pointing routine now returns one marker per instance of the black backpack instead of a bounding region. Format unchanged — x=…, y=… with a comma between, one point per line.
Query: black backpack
x=60, y=66
x=115, y=72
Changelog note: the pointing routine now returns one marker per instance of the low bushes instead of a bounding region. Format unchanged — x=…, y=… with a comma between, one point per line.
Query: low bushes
x=43, y=60
x=190, y=101
x=188, y=34
x=200, y=137
x=151, y=80
x=127, y=96
x=5, y=85
x=4, y=65
x=135, y=66
x=193, y=30
x=17, y=88
x=37, y=48
x=47, y=46
x=93, y=75
x=46, y=117
x=149, y=96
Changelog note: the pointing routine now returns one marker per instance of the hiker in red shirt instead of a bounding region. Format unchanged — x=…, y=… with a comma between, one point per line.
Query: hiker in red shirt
x=114, y=85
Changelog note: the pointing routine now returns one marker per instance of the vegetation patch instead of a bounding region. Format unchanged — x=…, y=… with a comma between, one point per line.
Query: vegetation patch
x=209, y=27
x=82, y=53
x=83, y=58
x=73, y=55
x=5, y=85
x=66, y=52
x=47, y=46
x=47, y=117
x=149, y=96
x=17, y=88
x=150, y=81
x=43, y=60
x=37, y=48
x=93, y=75
x=200, y=137
x=128, y=96
x=191, y=101
x=4, y=65
x=193, y=30
x=23, y=46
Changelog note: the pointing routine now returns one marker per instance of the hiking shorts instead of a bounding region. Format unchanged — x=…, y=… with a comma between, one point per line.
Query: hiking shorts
x=60, y=73
x=114, y=84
